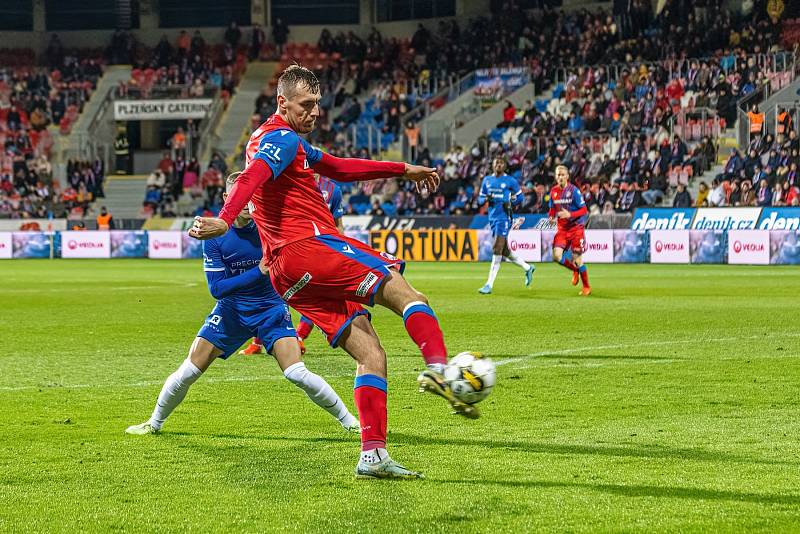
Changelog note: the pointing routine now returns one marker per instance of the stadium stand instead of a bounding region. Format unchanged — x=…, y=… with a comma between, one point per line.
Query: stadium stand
x=33, y=98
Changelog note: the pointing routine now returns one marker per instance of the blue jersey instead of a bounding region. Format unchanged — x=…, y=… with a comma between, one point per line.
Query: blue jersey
x=231, y=266
x=332, y=195
x=502, y=192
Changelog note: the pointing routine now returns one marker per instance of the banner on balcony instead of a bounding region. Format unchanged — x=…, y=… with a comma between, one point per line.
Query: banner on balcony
x=156, y=110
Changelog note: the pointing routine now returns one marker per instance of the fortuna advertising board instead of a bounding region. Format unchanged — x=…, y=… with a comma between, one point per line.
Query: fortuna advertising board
x=82, y=244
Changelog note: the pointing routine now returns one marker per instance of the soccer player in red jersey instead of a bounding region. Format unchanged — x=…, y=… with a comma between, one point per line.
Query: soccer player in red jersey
x=324, y=275
x=567, y=205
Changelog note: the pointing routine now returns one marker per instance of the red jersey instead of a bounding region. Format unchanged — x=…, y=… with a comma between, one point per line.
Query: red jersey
x=278, y=180
x=570, y=199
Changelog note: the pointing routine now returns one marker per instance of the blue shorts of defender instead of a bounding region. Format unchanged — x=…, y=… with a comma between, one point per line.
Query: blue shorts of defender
x=500, y=227
x=227, y=328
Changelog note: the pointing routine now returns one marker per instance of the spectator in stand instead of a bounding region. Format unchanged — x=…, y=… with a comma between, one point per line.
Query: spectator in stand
x=183, y=44
x=280, y=34
x=104, y=220
x=717, y=197
x=257, y=40
x=123, y=153
x=233, y=35
x=178, y=141
x=702, y=196
x=509, y=112
x=748, y=196
x=412, y=135
x=764, y=194
x=682, y=198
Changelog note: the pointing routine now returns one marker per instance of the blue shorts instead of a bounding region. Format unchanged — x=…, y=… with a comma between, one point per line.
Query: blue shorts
x=500, y=227
x=227, y=328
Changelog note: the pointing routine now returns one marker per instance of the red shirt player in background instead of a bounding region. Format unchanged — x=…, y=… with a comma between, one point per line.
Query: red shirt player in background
x=566, y=203
x=324, y=275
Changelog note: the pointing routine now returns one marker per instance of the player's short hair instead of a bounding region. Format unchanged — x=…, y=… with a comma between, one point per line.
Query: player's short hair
x=295, y=76
x=501, y=158
x=230, y=180
x=562, y=167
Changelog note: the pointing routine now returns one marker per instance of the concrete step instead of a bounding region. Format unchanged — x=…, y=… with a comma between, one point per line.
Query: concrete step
x=236, y=119
x=124, y=196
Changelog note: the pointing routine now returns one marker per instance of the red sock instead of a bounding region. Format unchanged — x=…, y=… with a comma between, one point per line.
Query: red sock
x=568, y=264
x=423, y=327
x=257, y=341
x=370, y=396
x=584, y=275
x=304, y=328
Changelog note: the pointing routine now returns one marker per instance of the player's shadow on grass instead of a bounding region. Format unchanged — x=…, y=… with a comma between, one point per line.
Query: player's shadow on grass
x=654, y=451
x=642, y=491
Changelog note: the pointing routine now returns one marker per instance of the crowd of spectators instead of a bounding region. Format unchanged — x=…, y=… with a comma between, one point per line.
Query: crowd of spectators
x=31, y=99
x=766, y=175
x=176, y=187
x=189, y=67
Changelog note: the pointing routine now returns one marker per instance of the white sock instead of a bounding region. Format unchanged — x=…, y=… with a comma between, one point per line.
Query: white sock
x=174, y=391
x=517, y=261
x=374, y=456
x=436, y=367
x=320, y=392
x=494, y=269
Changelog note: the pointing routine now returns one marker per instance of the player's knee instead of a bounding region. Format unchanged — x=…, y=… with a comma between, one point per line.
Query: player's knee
x=420, y=297
x=296, y=374
x=557, y=256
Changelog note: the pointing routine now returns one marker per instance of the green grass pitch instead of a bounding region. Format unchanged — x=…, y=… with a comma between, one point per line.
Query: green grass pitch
x=667, y=401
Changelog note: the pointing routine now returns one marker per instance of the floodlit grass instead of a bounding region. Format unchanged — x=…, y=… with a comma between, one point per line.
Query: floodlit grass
x=666, y=401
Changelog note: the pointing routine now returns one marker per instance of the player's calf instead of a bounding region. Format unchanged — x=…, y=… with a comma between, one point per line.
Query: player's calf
x=418, y=317
x=287, y=353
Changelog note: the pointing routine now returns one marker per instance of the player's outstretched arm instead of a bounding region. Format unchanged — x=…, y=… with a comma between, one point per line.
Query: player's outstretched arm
x=246, y=184
x=355, y=169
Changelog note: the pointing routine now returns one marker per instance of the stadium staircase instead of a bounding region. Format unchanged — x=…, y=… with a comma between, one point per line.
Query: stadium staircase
x=235, y=127
x=466, y=134
x=71, y=145
x=124, y=196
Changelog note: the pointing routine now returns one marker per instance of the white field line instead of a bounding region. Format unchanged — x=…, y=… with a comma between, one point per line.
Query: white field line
x=640, y=344
x=505, y=361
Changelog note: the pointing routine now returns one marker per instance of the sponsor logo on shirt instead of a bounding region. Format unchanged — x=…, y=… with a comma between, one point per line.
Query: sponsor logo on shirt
x=366, y=284
x=300, y=284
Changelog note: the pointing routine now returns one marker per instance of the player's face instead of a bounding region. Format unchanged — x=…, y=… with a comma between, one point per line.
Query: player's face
x=499, y=166
x=562, y=176
x=301, y=110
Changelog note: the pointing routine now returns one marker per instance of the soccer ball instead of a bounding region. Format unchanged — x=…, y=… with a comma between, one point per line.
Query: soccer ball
x=471, y=378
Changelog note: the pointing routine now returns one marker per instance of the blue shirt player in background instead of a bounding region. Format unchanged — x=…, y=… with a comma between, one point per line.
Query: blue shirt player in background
x=332, y=195
x=502, y=192
x=247, y=306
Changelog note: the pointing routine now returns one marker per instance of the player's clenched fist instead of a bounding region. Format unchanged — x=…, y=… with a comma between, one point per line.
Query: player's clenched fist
x=426, y=178
x=207, y=228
